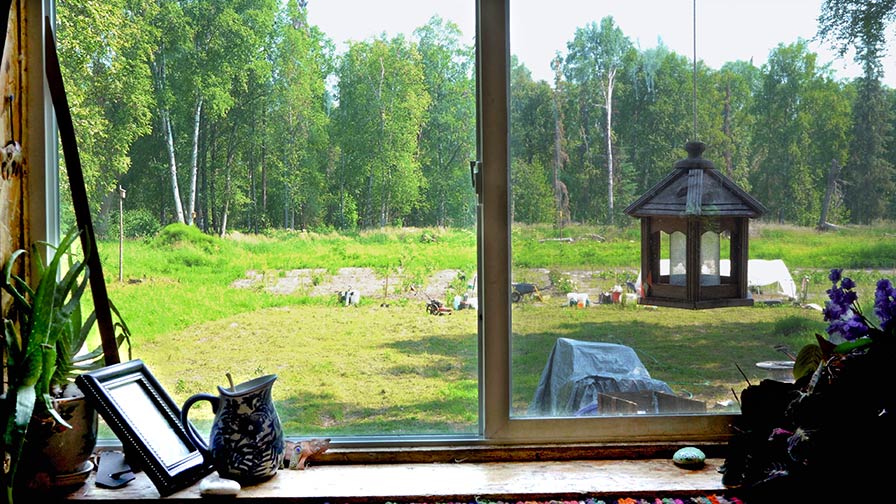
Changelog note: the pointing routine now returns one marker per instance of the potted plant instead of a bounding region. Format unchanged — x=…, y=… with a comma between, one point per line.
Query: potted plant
x=49, y=430
x=825, y=436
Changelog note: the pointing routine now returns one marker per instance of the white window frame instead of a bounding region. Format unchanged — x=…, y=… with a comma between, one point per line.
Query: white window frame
x=43, y=188
x=493, y=69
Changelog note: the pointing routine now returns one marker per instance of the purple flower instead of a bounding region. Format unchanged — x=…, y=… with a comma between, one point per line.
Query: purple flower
x=840, y=303
x=851, y=328
x=833, y=311
x=835, y=275
x=844, y=316
x=885, y=304
x=855, y=328
x=836, y=327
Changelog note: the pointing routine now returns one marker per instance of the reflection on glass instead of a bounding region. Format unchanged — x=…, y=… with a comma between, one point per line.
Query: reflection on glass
x=596, y=119
x=709, y=258
x=294, y=202
x=145, y=418
x=678, y=250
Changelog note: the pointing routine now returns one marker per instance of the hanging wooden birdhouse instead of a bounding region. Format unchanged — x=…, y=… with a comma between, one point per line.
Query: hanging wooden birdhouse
x=695, y=237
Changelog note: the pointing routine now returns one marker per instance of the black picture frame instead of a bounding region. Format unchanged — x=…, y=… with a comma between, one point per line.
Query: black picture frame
x=147, y=422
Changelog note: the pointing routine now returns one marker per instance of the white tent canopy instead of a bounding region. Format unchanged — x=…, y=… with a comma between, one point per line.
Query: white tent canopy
x=760, y=273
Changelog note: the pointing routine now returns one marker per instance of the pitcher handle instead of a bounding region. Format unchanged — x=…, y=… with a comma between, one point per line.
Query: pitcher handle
x=201, y=445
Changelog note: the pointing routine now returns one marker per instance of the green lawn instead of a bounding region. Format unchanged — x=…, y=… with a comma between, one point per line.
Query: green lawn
x=395, y=369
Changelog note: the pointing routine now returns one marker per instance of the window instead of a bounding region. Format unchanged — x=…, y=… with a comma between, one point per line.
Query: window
x=334, y=155
x=601, y=105
x=547, y=253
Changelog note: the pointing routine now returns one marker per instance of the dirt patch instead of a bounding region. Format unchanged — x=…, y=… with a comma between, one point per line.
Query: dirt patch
x=363, y=280
x=317, y=282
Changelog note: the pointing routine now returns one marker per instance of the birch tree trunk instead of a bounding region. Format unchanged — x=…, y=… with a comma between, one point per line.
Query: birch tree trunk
x=194, y=162
x=225, y=212
x=157, y=67
x=172, y=165
x=611, y=75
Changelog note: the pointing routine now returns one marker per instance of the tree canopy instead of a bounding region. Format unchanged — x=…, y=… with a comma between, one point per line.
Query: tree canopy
x=240, y=114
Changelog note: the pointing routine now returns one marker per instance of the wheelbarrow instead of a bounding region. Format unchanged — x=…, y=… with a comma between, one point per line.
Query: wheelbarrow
x=522, y=289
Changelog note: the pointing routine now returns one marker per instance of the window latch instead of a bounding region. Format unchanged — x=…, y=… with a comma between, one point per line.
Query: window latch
x=475, y=176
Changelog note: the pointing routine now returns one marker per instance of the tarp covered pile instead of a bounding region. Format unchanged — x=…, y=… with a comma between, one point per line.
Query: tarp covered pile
x=577, y=371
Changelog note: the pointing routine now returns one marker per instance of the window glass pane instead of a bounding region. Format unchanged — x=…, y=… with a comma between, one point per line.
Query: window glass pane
x=604, y=96
x=284, y=188
x=678, y=243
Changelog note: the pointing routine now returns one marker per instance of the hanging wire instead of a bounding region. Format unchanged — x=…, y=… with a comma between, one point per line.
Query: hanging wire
x=695, y=69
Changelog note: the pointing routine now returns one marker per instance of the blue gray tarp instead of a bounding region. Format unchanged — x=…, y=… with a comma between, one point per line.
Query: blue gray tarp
x=576, y=371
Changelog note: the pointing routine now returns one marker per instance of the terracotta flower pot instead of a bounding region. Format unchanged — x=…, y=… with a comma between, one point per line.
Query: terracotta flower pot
x=57, y=457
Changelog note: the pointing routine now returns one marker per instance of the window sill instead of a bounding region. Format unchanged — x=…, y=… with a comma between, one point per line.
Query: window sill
x=459, y=481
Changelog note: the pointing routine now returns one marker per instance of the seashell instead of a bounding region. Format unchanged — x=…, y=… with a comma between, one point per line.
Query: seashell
x=689, y=457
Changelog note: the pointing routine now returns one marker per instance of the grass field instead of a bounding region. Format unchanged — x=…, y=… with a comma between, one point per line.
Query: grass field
x=387, y=367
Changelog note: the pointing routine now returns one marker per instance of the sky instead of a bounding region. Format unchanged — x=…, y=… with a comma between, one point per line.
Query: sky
x=726, y=30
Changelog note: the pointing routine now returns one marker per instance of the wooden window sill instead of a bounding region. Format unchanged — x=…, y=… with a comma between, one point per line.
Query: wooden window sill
x=458, y=482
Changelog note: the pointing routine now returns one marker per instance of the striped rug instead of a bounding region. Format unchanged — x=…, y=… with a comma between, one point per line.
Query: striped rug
x=707, y=499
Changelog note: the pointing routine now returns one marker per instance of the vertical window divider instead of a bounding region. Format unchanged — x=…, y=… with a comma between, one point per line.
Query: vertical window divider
x=493, y=68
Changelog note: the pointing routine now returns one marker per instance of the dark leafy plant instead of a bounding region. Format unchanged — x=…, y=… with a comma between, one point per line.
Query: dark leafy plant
x=836, y=421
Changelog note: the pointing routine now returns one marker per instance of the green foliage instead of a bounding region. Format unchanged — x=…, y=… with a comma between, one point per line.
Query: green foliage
x=183, y=236
x=70, y=362
x=737, y=83
x=296, y=136
x=140, y=223
x=655, y=84
x=807, y=361
x=108, y=86
x=446, y=138
x=561, y=282
x=869, y=165
x=428, y=237
x=533, y=197
x=463, y=283
x=296, y=121
x=858, y=25
x=795, y=95
x=597, y=54
x=533, y=115
x=381, y=79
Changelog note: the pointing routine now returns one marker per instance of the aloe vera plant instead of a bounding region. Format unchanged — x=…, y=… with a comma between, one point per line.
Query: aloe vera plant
x=42, y=351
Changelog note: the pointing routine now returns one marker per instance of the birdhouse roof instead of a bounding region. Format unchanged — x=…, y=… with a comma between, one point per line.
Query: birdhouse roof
x=698, y=190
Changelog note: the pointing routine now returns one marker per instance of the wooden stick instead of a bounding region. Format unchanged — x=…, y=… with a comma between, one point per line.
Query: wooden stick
x=79, y=198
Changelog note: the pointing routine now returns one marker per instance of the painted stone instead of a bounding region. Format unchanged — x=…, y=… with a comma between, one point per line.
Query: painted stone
x=689, y=457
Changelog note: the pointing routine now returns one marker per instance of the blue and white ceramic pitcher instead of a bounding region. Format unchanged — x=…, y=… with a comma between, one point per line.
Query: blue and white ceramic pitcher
x=246, y=438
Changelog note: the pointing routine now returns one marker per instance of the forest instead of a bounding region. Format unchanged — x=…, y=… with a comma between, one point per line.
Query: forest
x=241, y=115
